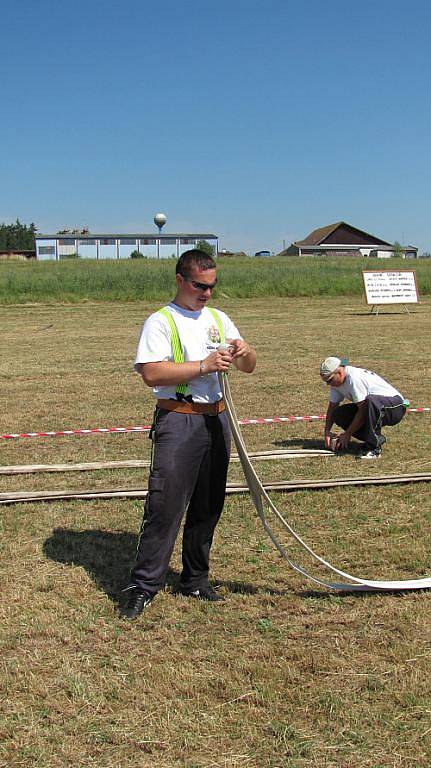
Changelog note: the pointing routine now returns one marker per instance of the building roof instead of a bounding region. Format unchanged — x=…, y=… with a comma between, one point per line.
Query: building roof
x=339, y=233
x=119, y=235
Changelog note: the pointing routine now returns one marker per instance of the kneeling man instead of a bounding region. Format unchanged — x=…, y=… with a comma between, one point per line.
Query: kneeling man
x=374, y=403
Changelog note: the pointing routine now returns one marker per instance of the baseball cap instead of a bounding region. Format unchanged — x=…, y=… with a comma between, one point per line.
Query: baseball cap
x=330, y=365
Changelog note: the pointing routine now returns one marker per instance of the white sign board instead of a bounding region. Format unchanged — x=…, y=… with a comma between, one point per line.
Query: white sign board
x=390, y=287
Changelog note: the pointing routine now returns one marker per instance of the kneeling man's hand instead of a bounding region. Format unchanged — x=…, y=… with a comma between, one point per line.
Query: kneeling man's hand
x=342, y=442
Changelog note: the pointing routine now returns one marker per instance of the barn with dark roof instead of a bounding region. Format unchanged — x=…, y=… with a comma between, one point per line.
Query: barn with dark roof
x=342, y=239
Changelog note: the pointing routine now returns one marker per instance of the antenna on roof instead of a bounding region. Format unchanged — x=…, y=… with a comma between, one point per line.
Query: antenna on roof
x=160, y=221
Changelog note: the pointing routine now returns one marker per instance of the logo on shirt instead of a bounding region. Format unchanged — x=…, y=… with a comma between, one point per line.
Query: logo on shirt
x=214, y=335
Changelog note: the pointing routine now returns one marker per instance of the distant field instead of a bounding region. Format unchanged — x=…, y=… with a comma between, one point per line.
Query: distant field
x=281, y=675
x=142, y=279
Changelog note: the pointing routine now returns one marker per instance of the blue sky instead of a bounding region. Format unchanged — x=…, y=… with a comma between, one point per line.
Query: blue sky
x=258, y=120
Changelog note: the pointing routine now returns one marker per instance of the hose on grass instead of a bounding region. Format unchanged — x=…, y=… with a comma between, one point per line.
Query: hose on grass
x=262, y=500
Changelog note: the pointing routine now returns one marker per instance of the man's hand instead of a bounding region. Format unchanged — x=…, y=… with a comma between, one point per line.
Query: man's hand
x=240, y=348
x=328, y=438
x=343, y=441
x=243, y=356
x=220, y=360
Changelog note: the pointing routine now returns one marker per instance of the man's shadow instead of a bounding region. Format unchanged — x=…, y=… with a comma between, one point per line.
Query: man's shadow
x=311, y=444
x=108, y=556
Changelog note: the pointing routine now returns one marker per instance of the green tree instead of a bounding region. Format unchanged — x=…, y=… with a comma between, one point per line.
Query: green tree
x=398, y=250
x=205, y=246
x=17, y=236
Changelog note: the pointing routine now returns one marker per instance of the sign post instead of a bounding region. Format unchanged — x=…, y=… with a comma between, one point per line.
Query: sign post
x=388, y=287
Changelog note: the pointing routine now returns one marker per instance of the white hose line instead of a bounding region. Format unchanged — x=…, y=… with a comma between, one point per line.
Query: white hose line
x=14, y=497
x=259, y=495
x=29, y=469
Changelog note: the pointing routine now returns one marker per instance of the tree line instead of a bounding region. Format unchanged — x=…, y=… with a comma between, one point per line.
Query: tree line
x=17, y=236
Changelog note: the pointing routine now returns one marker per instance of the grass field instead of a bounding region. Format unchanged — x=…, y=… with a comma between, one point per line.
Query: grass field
x=281, y=675
x=149, y=279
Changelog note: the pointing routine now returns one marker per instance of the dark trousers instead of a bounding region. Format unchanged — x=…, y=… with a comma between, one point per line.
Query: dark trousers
x=190, y=460
x=379, y=412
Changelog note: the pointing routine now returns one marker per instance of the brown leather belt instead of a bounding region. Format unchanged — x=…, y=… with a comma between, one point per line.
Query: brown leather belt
x=184, y=406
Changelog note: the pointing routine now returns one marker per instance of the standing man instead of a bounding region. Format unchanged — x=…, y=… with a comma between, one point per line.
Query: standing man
x=374, y=404
x=179, y=357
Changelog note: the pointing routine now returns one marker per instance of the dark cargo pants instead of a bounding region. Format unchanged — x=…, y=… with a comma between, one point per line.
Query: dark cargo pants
x=379, y=412
x=190, y=460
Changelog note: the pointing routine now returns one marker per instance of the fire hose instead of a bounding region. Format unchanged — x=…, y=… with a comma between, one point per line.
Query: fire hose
x=261, y=500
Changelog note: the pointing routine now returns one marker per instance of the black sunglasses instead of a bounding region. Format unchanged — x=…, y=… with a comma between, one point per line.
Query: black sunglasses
x=202, y=286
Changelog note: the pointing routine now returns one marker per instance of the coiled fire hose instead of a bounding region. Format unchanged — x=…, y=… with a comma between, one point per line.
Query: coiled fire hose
x=261, y=501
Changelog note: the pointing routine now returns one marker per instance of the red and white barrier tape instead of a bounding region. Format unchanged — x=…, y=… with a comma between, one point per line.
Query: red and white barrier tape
x=147, y=427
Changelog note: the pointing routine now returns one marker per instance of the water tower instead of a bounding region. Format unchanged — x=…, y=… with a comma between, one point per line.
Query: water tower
x=160, y=221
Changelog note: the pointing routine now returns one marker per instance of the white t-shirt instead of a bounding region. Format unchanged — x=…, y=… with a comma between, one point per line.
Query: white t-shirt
x=358, y=384
x=199, y=336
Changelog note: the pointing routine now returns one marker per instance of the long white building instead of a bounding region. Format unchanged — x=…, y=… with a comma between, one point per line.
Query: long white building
x=86, y=245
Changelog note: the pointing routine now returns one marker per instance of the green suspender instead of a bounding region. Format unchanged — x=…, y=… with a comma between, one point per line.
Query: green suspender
x=217, y=318
x=177, y=347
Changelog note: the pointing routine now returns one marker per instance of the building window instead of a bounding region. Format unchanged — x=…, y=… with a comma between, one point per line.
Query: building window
x=108, y=241
x=47, y=250
x=87, y=242
x=67, y=241
x=148, y=241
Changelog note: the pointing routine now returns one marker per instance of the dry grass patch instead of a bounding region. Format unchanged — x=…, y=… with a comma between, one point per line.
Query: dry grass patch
x=282, y=675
